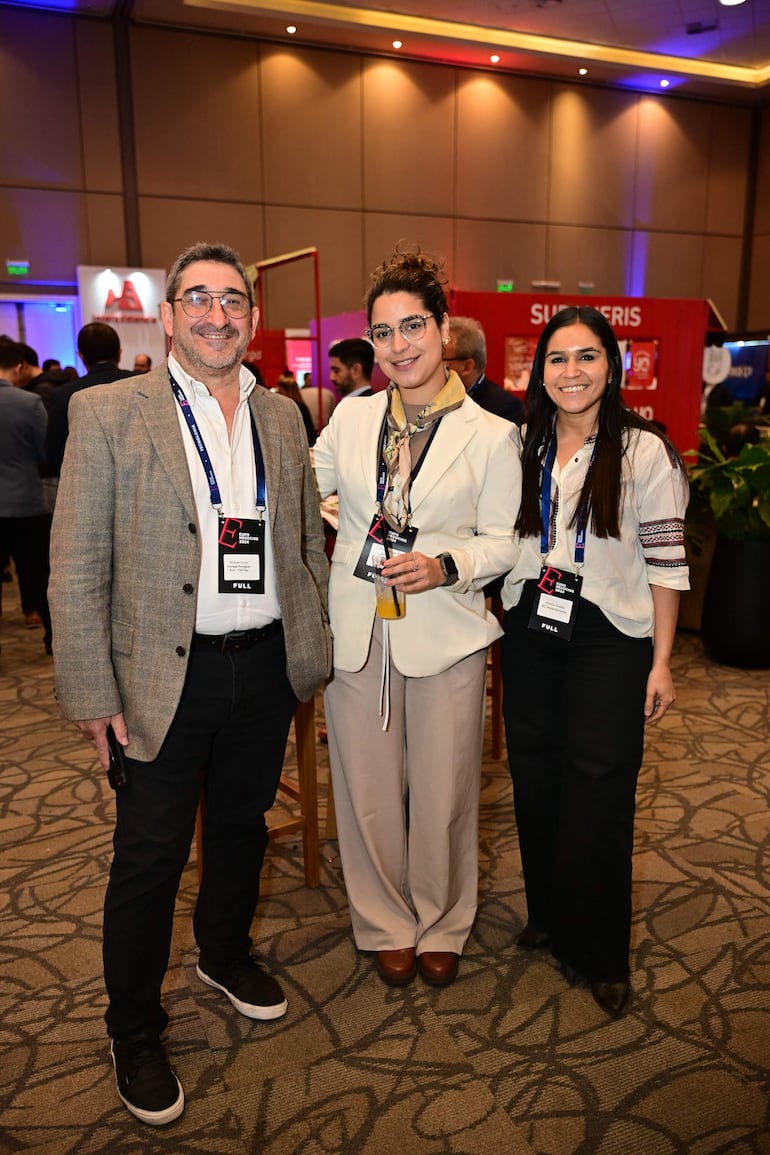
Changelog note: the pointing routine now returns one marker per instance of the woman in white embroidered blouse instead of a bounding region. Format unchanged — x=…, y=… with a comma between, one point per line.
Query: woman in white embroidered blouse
x=591, y=609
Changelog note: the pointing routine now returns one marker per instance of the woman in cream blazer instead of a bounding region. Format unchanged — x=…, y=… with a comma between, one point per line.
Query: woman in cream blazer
x=405, y=706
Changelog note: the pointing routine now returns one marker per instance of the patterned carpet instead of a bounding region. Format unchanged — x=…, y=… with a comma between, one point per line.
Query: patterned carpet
x=508, y=1061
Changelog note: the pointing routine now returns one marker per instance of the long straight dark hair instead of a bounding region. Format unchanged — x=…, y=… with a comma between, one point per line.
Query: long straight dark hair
x=600, y=498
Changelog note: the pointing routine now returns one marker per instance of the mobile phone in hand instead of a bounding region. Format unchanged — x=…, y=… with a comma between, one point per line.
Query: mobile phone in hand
x=117, y=775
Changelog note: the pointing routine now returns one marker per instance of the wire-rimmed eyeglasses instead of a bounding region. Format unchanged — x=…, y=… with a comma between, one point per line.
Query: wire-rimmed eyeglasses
x=197, y=303
x=411, y=329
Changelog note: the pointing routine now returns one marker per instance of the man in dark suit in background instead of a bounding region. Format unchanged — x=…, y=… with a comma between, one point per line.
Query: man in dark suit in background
x=351, y=362
x=466, y=353
x=99, y=349
x=25, y=520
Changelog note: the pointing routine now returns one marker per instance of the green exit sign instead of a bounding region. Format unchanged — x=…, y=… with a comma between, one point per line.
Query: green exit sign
x=17, y=268
x=505, y=286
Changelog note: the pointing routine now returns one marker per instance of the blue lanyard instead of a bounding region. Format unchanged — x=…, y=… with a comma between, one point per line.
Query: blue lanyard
x=203, y=453
x=546, y=506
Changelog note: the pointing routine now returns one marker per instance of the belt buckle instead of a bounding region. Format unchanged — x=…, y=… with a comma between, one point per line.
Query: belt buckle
x=235, y=641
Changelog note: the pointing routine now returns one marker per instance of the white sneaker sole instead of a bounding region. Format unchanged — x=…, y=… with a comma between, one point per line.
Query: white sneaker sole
x=250, y=1010
x=154, y=1118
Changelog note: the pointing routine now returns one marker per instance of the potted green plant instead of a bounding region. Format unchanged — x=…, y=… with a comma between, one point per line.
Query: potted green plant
x=730, y=498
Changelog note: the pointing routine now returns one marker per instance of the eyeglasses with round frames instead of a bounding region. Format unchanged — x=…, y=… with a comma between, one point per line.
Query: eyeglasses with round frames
x=411, y=329
x=197, y=303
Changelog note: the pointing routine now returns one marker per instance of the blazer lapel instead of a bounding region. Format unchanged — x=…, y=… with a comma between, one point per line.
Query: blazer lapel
x=159, y=410
x=270, y=444
x=369, y=443
x=454, y=433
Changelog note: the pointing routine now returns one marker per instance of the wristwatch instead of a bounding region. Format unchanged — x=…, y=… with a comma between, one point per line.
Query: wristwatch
x=448, y=568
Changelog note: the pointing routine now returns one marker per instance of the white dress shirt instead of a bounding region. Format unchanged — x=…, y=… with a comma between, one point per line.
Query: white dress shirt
x=234, y=467
x=618, y=572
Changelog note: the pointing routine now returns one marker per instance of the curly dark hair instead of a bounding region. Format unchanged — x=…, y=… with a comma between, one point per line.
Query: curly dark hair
x=410, y=271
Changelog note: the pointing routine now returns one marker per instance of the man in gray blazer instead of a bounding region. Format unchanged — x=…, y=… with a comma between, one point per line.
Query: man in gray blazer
x=188, y=594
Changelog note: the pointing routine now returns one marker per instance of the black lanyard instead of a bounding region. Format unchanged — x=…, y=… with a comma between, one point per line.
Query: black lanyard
x=382, y=469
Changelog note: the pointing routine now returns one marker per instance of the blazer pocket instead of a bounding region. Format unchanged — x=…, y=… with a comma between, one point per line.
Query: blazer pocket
x=122, y=637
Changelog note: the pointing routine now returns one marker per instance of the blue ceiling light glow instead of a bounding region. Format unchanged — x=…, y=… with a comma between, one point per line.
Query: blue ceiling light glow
x=641, y=82
x=48, y=5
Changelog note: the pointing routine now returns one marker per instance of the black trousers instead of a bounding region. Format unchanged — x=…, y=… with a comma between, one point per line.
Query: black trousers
x=27, y=540
x=574, y=726
x=229, y=733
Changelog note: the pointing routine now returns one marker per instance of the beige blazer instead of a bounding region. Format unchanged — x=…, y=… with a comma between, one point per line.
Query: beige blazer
x=125, y=555
x=464, y=500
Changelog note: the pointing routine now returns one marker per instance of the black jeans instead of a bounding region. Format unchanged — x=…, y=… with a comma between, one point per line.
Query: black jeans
x=574, y=727
x=26, y=540
x=230, y=733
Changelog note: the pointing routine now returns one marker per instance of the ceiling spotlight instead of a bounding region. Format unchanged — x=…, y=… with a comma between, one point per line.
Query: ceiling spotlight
x=291, y=29
x=664, y=83
x=398, y=44
x=494, y=59
x=582, y=72
x=731, y=3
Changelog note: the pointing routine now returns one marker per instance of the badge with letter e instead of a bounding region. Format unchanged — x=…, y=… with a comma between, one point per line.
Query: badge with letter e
x=241, y=555
x=556, y=602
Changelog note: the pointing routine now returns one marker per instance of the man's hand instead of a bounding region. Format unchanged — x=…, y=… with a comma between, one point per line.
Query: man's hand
x=95, y=729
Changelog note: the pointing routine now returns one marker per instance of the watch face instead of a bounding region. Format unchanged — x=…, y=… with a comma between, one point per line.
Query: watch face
x=448, y=566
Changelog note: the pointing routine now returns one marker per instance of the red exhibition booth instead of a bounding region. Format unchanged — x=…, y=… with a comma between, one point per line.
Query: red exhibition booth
x=662, y=341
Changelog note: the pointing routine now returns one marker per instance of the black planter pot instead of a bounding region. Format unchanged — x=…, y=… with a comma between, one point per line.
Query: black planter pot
x=735, y=627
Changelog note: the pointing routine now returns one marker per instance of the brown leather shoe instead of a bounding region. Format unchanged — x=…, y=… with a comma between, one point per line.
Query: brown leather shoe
x=438, y=967
x=397, y=968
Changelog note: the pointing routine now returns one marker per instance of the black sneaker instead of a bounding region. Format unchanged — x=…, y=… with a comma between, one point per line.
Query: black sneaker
x=146, y=1083
x=248, y=986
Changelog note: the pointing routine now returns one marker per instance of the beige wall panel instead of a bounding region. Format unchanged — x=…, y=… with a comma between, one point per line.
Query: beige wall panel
x=672, y=170
x=46, y=227
x=290, y=299
x=593, y=157
x=502, y=147
x=762, y=212
x=383, y=231
x=408, y=137
x=207, y=145
x=104, y=227
x=486, y=251
x=728, y=170
x=603, y=256
x=39, y=130
x=312, y=128
x=722, y=275
x=759, y=297
x=98, y=107
x=672, y=265
x=167, y=226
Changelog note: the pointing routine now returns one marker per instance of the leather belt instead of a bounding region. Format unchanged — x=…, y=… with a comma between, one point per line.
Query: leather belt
x=237, y=639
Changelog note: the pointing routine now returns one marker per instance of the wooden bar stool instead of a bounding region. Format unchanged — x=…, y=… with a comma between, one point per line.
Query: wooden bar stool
x=305, y=792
